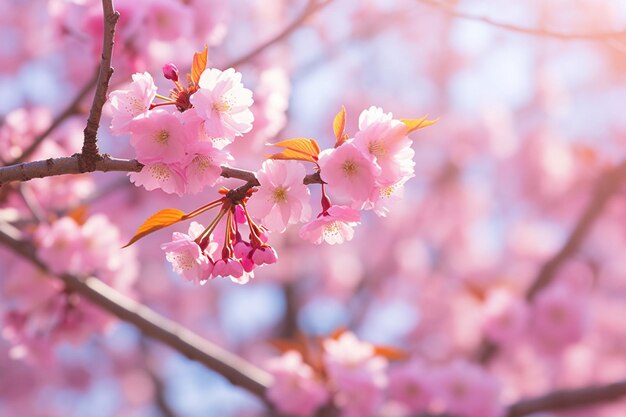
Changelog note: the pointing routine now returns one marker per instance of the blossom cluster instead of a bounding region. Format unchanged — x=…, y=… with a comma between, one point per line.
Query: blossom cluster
x=47, y=312
x=357, y=378
x=182, y=143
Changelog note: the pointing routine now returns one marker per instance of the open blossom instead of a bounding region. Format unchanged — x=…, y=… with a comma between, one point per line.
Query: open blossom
x=467, y=390
x=128, y=104
x=159, y=135
x=558, y=317
x=205, y=166
x=60, y=246
x=186, y=257
x=295, y=390
x=223, y=103
x=334, y=226
x=386, y=142
x=505, y=317
x=411, y=385
x=349, y=171
x=357, y=374
x=168, y=177
x=282, y=198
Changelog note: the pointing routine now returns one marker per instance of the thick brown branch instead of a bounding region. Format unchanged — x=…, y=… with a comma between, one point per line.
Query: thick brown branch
x=597, y=36
x=151, y=324
x=568, y=399
x=71, y=109
x=90, y=151
x=311, y=7
x=75, y=165
x=61, y=166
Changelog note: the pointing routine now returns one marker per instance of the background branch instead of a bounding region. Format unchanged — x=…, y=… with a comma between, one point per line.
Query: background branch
x=597, y=36
x=311, y=7
x=606, y=187
x=151, y=324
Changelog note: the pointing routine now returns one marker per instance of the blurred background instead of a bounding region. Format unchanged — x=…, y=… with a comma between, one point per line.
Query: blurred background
x=530, y=98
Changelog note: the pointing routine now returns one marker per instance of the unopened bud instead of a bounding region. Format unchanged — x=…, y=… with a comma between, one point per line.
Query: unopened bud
x=170, y=72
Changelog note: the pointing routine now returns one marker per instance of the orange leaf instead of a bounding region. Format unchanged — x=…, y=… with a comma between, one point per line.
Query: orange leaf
x=391, y=353
x=292, y=155
x=304, y=145
x=79, y=214
x=157, y=221
x=415, y=124
x=339, y=126
x=284, y=345
x=199, y=64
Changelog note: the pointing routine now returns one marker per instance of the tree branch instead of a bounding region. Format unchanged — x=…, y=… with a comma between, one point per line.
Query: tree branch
x=26, y=171
x=606, y=186
x=70, y=110
x=568, y=399
x=234, y=368
x=597, y=36
x=90, y=153
x=311, y=7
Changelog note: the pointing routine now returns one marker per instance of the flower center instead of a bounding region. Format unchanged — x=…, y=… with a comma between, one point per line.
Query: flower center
x=331, y=229
x=162, y=136
x=376, y=148
x=202, y=162
x=280, y=194
x=350, y=168
x=160, y=172
x=222, y=105
x=184, y=261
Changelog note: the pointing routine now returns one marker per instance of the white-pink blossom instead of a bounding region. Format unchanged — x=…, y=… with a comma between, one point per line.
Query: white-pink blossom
x=223, y=103
x=334, y=226
x=128, y=104
x=296, y=390
x=282, y=198
x=186, y=256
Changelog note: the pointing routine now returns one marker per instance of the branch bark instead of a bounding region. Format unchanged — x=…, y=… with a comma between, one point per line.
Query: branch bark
x=234, y=368
x=597, y=36
x=91, y=153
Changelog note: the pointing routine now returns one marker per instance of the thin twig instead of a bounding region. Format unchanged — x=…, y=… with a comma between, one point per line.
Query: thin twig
x=595, y=36
x=151, y=324
x=90, y=152
x=311, y=7
x=70, y=110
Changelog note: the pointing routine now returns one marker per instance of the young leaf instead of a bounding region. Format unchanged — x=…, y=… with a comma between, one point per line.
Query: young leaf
x=199, y=65
x=415, y=124
x=157, y=221
x=291, y=155
x=339, y=127
x=303, y=145
x=390, y=353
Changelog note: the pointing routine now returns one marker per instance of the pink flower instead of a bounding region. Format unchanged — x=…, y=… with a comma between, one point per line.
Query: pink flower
x=467, y=390
x=205, y=166
x=334, y=226
x=558, y=317
x=128, y=104
x=357, y=374
x=282, y=198
x=167, y=20
x=295, y=390
x=386, y=142
x=350, y=172
x=505, y=317
x=167, y=177
x=228, y=267
x=60, y=246
x=411, y=385
x=158, y=136
x=185, y=255
x=223, y=103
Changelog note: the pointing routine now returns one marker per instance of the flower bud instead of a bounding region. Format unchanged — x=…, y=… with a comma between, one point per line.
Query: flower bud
x=170, y=72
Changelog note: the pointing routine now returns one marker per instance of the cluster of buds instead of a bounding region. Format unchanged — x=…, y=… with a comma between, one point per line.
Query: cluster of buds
x=199, y=256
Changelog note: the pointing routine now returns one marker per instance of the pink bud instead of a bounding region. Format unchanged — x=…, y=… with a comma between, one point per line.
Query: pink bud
x=170, y=72
x=242, y=249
